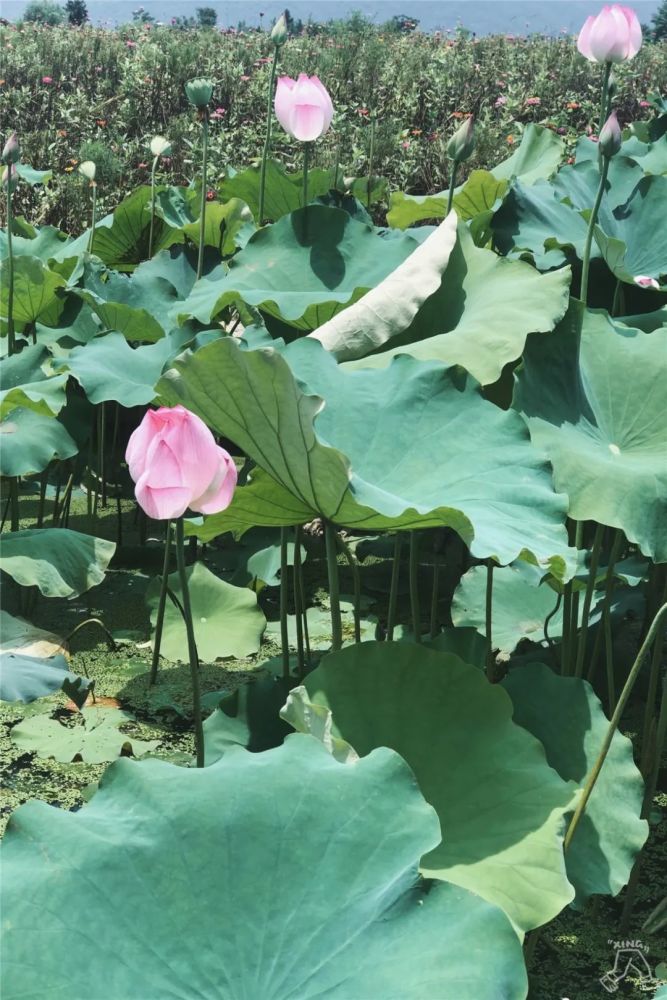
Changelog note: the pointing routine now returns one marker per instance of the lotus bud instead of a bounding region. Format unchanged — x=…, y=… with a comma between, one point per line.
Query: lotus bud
x=462, y=143
x=10, y=152
x=613, y=35
x=610, y=137
x=88, y=170
x=279, y=31
x=199, y=92
x=160, y=146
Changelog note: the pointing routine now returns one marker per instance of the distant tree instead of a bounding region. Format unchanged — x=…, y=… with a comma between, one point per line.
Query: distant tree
x=142, y=16
x=77, y=12
x=44, y=12
x=660, y=23
x=402, y=24
x=206, y=17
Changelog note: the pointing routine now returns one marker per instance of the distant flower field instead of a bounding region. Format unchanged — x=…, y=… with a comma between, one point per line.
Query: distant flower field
x=89, y=93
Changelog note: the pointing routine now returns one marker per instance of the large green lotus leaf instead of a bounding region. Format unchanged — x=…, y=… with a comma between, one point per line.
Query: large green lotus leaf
x=566, y=716
x=650, y=156
x=95, y=737
x=23, y=382
x=340, y=913
x=303, y=270
x=593, y=396
x=62, y=563
x=388, y=309
x=138, y=306
x=32, y=176
x=35, y=291
x=578, y=184
x=536, y=158
x=29, y=441
x=46, y=241
x=226, y=227
x=501, y=807
x=629, y=239
x=371, y=456
x=648, y=322
x=121, y=240
x=283, y=192
x=248, y=717
x=482, y=313
x=109, y=369
x=227, y=620
x=26, y=678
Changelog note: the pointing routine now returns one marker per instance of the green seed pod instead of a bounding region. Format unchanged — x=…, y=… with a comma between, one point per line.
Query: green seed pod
x=10, y=152
x=199, y=92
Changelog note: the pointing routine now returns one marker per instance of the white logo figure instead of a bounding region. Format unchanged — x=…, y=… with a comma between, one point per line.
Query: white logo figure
x=630, y=959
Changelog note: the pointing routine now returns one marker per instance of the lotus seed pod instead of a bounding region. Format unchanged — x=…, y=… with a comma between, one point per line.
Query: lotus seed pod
x=462, y=143
x=160, y=146
x=10, y=152
x=199, y=92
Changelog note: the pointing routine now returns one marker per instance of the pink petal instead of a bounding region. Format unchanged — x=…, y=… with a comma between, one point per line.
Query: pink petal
x=140, y=439
x=307, y=122
x=219, y=494
x=195, y=449
x=635, y=30
x=327, y=103
x=162, y=504
x=608, y=38
x=283, y=100
x=162, y=468
x=645, y=281
x=584, y=39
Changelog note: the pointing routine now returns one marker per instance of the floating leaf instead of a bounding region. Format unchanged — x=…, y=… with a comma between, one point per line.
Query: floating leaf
x=94, y=738
x=339, y=913
x=60, y=562
x=248, y=717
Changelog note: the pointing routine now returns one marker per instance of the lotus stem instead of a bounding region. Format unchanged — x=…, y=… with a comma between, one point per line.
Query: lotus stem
x=604, y=110
x=111, y=642
x=267, y=138
x=306, y=164
x=11, y=338
x=356, y=577
x=371, y=155
x=202, y=210
x=299, y=603
x=613, y=725
x=609, y=581
x=334, y=591
x=452, y=185
x=151, y=230
x=91, y=238
x=393, y=586
x=284, y=633
x=414, y=586
x=585, y=267
x=433, y=631
x=488, y=627
x=14, y=503
x=192, y=645
x=588, y=599
x=654, y=678
x=43, y=482
x=162, y=603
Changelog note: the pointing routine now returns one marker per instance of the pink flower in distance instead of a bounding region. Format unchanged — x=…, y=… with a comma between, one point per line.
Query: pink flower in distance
x=47, y=79
x=303, y=107
x=644, y=281
x=175, y=464
x=613, y=35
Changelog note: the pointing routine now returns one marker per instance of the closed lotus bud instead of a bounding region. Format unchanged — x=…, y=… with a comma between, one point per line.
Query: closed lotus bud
x=613, y=35
x=176, y=464
x=462, y=143
x=279, y=31
x=199, y=92
x=88, y=169
x=160, y=146
x=610, y=137
x=10, y=152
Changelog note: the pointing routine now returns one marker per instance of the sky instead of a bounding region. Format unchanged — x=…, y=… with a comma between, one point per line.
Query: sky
x=482, y=16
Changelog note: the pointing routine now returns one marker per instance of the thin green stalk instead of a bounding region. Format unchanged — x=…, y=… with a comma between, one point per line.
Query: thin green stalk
x=604, y=110
x=202, y=210
x=356, y=577
x=192, y=646
x=162, y=603
x=433, y=631
x=654, y=678
x=370, y=165
x=306, y=164
x=267, y=138
x=585, y=267
x=334, y=590
x=336, y=167
x=150, y=232
x=393, y=587
x=414, y=585
x=11, y=338
x=14, y=503
x=488, y=627
x=91, y=238
x=588, y=599
x=43, y=482
x=567, y=618
x=608, y=587
x=613, y=726
x=67, y=498
x=452, y=185
x=284, y=633
x=298, y=603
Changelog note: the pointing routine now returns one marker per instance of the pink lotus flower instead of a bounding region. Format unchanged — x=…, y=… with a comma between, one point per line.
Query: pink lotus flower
x=176, y=464
x=613, y=35
x=500, y=101
x=533, y=101
x=644, y=281
x=47, y=79
x=303, y=107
